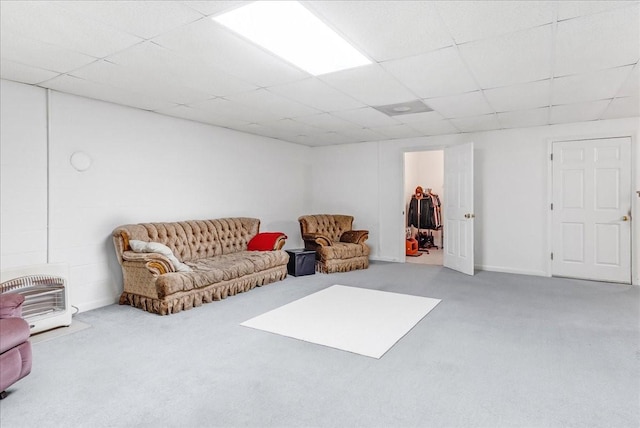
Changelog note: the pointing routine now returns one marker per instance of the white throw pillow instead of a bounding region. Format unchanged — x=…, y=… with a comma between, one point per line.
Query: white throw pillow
x=156, y=247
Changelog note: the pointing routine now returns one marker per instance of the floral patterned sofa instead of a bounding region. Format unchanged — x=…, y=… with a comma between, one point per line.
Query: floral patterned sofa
x=169, y=267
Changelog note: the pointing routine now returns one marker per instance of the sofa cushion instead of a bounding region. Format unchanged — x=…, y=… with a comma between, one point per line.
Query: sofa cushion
x=219, y=268
x=156, y=247
x=242, y=263
x=343, y=250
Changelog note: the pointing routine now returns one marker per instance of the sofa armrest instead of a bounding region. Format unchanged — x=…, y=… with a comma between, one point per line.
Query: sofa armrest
x=11, y=305
x=155, y=262
x=317, y=238
x=355, y=236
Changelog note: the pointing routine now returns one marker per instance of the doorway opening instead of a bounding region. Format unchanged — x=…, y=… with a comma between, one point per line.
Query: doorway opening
x=424, y=206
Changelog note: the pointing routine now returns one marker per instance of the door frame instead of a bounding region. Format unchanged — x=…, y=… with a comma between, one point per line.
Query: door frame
x=403, y=255
x=635, y=199
x=443, y=148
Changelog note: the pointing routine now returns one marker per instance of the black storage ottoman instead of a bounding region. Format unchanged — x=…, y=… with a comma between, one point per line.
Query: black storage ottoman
x=301, y=262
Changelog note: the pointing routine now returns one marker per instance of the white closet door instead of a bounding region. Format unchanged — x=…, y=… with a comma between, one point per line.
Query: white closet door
x=458, y=208
x=591, y=217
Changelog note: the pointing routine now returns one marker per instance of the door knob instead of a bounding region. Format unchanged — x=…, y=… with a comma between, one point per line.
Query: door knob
x=469, y=216
x=625, y=218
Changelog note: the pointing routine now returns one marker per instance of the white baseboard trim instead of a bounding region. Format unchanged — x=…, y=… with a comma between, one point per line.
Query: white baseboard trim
x=95, y=304
x=383, y=259
x=512, y=270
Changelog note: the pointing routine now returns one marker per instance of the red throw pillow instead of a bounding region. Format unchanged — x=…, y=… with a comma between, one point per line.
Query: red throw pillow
x=264, y=241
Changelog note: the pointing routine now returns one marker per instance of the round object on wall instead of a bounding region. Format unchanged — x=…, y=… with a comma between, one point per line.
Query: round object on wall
x=80, y=161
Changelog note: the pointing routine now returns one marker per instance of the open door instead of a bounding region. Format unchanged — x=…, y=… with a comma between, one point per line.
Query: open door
x=458, y=208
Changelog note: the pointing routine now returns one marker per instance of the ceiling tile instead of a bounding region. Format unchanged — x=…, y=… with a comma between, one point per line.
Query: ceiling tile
x=10, y=70
x=334, y=138
x=427, y=116
x=265, y=100
x=435, y=127
x=151, y=59
x=520, y=97
x=631, y=88
x=524, y=118
x=469, y=104
x=592, y=86
x=155, y=84
x=580, y=112
x=383, y=30
x=145, y=19
x=39, y=54
x=596, y=42
x=364, y=134
x=369, y=84
x=214, y=7
x=236, y=111
x=317, y=94
x=474, y=20
x=623, y=107
x=366, y=117
x=433, y=74
x=85, y=88
x=48, y=22
x=328, y=122
x=306, y=140
x=572, y=9
x=323, y=139
x=485, y=122
x=517, y=58
x=397, y=131
x=199, y=115
x=292, y=126
x=214, y=45
x=279, y=134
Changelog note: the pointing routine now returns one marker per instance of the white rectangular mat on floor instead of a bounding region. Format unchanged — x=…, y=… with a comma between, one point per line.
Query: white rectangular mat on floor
x=359, y=320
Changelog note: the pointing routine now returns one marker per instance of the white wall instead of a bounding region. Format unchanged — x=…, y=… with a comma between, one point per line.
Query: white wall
x=425, y=169
x=345, y=181
x=23, y=175
x=146, y=167
x=511, y=190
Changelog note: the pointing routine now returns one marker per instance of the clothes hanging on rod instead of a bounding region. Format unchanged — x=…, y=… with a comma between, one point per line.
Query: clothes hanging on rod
x=424, y=214
x=436, y=212
x=424, y=210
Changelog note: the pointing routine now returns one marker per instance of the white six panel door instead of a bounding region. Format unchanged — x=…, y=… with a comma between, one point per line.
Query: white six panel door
x=591, y=224
x=458, y=208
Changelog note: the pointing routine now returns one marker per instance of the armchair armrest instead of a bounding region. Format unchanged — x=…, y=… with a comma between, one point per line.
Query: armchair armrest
x=11, y=305
x=355, y=236
x=157, y=263
x=317, y=238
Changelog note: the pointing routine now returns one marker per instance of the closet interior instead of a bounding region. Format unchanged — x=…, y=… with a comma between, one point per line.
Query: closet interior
x=423, y=188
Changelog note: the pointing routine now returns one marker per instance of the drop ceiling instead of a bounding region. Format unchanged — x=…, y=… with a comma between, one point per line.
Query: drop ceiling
x=479, y=65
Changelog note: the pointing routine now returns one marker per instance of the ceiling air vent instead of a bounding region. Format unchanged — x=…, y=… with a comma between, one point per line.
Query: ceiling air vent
x=409, y=107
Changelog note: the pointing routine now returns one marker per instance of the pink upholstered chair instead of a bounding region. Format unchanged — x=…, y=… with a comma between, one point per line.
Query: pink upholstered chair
x=15, y=348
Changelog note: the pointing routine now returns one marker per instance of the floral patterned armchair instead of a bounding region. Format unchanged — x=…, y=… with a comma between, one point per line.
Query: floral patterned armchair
x=338, y=248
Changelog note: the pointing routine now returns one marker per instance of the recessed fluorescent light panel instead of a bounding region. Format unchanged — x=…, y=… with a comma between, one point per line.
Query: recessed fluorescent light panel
x=292, y=32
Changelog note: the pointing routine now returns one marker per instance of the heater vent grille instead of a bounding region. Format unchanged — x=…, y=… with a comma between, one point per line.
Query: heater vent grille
x=45, y=298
